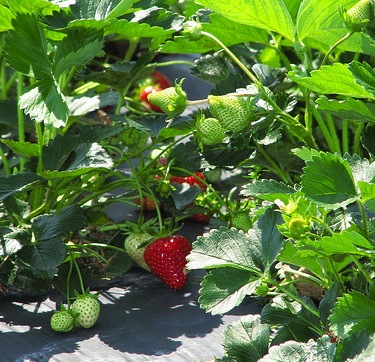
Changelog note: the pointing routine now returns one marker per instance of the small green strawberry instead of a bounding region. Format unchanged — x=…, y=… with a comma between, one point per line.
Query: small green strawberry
x=210, y=132
x=359, y=15
x=133, y=246
x=171, y=100
x=232, y=112
x=87, y=309
x=62, y=321
x=241, y=221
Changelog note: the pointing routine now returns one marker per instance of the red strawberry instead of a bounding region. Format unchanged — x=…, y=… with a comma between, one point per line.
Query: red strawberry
x=191, y=180
x=203, y=218
x=166, y=258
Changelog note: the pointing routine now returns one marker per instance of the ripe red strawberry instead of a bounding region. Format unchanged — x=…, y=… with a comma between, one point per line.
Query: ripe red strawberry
x=87, y=309
x=160, y=79
x=210, y=132
x=191, y=180
x=203, y=218
x=166, y=258
x=62, y=321
x=132, y=246
x=172, y=100
x=232, y=112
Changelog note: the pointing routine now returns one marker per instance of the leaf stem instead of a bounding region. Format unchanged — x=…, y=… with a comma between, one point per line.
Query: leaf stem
x=21, y=119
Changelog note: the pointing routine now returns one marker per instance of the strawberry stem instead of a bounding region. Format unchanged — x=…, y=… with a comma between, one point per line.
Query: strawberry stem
x=334, y=46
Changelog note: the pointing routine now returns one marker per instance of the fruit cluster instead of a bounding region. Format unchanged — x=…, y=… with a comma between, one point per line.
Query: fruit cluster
x=84, y=313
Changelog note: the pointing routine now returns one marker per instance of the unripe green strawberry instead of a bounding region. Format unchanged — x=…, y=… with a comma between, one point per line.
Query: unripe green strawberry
x=210, y=131
x=132, y=246
x=359, y=16
x=171, y=100
x=242, y=221
x=87, y=309
x=232, y=112
x=62, y=321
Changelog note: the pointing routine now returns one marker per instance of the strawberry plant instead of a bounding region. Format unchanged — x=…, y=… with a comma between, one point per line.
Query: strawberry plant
x=276, y=160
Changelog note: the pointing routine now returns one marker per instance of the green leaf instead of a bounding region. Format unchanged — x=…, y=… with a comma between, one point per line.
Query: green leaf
x=6, y=17
x=269, y=190
x=254, y=251
x=247, y=339
x=26, y=47
x=364, y=75
x=319, y=25
x=224, y=288
x=328, y=302
x=328, y=181
x=10, y=242
x=291, y=254
x=346, y=243
x=44, y=7
x=291, y=351
x=353, y=313
x=362, y=169
x=101, y=9
x=271, y=15
x=349, y=108
x=235, y=33
x=43, y=258
x=44, y=102
x=13, y=184
x=331, y=79
x=293, y=321
x=81, y=160
x=24, y=149
x=131, y=30
x=51, y=227
x=358, y=347
x=78, y=47
x=83, y=104
x=69, y=151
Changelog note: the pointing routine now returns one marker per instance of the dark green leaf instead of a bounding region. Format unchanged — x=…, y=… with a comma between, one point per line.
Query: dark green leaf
x=353, y=313
x=359, y=347
x=69, y=219
x=364, y=75
x=349, y=108
x=246, y=340
x=293, y=320
x=78, y=47
x=328, y=302
x=101, y=9
x=26, y=47
x=12, y=184
x=268, y=190
x=43, y=258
